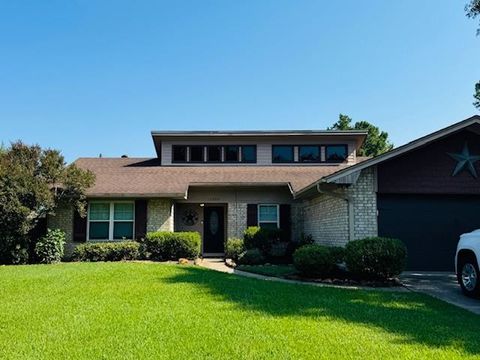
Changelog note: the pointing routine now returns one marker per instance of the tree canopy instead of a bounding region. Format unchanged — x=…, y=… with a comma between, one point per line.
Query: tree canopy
x=473, y=10
x=376, y=142
x=33, y=183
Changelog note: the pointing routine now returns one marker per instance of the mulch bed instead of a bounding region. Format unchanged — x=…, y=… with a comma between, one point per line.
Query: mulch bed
x=348, y=282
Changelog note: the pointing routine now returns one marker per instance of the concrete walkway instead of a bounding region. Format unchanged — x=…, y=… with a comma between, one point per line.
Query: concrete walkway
x=441, y=285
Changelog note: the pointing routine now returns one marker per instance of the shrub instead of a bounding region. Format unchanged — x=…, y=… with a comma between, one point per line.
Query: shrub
x=315, y=260
x=338, y=254
x=251, y=257
x=49, y=248
x=107, y=251
x=166, y=245
x=256, y=237
x=375, y=257
x=234, y=248
x=294, y=245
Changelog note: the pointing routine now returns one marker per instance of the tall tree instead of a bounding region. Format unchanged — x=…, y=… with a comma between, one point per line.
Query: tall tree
x=33, y=183
x=376, y=142
x=473, y=10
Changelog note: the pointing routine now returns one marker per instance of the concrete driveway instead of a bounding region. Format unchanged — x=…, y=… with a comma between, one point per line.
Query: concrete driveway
x=442, y=285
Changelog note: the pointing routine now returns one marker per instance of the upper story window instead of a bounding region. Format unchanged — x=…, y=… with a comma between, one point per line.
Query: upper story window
x=232, y=153
x=196, y=153
x=282, y=153
x=179, y=153
x=309, y=153
x=249, y=153
x=214, y=153
x=336, y=153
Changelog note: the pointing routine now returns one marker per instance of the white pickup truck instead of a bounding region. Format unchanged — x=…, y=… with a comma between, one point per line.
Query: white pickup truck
x=466, y=263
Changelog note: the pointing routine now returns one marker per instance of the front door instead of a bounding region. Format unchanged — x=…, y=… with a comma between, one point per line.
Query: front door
x=213, y=229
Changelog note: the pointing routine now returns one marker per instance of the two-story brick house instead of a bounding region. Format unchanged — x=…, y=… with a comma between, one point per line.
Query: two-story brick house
x=312, y=182
x=216, y=183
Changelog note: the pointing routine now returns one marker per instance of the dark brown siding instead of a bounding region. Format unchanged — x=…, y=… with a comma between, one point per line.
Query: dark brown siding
x=429, y=170
x=140, y=219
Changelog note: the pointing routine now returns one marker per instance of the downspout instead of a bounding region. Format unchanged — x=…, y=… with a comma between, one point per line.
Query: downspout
x=351, y=213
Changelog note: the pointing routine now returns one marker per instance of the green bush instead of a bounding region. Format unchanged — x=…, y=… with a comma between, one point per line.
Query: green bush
x=256, y=237
x=107, y=251
x=251, y=257
x=315, y=260
x=49, y=248
x=234, y=248
x=375, y=257
x=338, y=254
x=166, y=245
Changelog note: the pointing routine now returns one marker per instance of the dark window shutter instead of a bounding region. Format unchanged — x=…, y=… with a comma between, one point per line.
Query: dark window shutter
x=140, y=219
x=285, y=221
x=79, y=228
x=252, y=215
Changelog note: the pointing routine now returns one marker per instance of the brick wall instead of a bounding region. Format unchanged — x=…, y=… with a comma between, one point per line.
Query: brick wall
x=327, y=216
x=326, y=219
x=159, y=215
x=364, y=200
x=63, y=220
x=237, y=219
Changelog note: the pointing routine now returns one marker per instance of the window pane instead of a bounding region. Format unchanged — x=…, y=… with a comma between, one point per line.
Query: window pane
x=179, y=153
x=249, y=154
x=336, y=153
x=123, y=230
x=214, y=153
x=267, y=213
x=99, y=211
x=196, y=153
x=282, y=153
x=123, y=211
x=231, y=153
x=98, y=230
x=309, y=153
x=268, y=225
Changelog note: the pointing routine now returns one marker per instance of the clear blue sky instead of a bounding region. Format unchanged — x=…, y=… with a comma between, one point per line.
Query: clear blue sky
x=90, y=77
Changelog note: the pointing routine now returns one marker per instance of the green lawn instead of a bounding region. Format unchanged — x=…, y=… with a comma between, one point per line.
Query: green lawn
x=268, y=270
x=148, y=310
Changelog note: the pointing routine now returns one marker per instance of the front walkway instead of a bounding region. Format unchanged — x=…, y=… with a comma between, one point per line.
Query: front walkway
x=441, y=285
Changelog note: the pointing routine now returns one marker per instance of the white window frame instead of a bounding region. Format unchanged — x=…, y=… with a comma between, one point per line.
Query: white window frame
x=269, y=222
x=111, y=221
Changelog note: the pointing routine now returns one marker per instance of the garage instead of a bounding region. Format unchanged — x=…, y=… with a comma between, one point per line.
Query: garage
x=427, y=194
x=429, y=225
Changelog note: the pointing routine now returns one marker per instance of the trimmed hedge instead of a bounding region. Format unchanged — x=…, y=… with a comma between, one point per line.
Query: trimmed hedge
x=316, y=260
x=167, y=245
x=107, y=251
x=251, y=257
x=234, y=248
x=256, y=237
x=49, y=248
x=375, y=258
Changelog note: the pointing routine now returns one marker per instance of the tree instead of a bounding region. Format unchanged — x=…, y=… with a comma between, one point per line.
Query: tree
x=376, y=142
x=476, y=103
x=473, y=10
x=33, y=183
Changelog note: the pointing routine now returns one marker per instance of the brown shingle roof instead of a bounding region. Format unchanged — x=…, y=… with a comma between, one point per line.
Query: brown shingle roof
x=145, y=177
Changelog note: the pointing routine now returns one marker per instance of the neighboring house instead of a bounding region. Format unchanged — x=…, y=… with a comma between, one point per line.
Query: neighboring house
x=425, y=193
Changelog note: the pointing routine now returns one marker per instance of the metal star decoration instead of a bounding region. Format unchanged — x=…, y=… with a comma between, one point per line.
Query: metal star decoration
x=465, y=160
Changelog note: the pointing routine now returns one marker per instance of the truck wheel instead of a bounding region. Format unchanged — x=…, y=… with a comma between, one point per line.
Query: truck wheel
x=468, y=276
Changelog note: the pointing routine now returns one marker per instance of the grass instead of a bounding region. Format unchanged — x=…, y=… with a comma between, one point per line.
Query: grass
x=148, y=310
x=268, y=270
